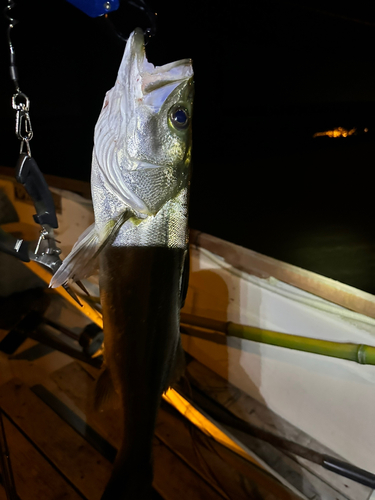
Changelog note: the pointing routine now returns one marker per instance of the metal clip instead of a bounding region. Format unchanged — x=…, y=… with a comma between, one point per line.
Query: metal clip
x=43, y=236
x=18, y=106
x=24, y=130
x=28, y=150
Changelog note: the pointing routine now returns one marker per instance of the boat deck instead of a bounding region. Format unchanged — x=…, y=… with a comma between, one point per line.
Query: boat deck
x=60, y=447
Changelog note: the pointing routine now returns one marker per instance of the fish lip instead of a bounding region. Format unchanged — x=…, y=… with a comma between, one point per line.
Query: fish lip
x=138, y=43
x=173, y=65
x=144, y=66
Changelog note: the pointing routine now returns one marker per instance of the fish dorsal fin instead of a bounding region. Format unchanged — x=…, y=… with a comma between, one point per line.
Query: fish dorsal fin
x=82, y=261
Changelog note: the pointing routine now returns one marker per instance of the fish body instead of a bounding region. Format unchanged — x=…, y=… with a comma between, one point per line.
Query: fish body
x=141, y=356
x=140, y=182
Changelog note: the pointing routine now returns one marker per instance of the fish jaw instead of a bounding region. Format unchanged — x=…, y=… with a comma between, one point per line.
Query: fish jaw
x=134, y=133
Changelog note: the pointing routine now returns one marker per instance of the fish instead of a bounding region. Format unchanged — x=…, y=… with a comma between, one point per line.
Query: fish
x=140, y=182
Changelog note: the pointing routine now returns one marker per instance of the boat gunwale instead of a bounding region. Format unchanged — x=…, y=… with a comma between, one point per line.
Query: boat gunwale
x=262, y=266
x=251, y=262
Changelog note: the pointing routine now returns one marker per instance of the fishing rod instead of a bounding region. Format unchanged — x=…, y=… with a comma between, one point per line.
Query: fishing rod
x=360, y=353
x=96, y=8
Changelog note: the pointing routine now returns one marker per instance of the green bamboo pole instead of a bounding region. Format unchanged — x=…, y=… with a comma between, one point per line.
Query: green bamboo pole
x=360, y=353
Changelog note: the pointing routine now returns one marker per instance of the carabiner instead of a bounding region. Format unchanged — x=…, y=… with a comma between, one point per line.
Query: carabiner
x=24, y=130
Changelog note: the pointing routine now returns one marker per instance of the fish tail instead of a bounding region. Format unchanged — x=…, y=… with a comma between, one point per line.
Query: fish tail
x=131, y=479
x=132, y=473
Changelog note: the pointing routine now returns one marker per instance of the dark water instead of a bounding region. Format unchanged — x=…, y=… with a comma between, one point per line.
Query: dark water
x=311, y=206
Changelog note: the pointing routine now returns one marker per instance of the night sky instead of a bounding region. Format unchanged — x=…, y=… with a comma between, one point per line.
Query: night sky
x=268, y=75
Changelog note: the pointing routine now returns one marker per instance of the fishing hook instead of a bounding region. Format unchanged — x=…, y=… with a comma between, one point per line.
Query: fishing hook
x=142, y=6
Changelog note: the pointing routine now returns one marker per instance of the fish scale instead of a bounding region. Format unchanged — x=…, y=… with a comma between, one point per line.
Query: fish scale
x=153, y=185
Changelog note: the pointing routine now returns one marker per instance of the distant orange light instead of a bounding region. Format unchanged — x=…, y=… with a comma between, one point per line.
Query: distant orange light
x=337, y=132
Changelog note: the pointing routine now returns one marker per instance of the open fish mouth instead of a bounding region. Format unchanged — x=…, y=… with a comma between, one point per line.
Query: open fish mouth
x=151, y=83
x=177, y=69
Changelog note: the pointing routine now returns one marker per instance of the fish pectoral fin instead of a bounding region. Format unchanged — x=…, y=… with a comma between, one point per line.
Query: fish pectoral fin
x=79, y=263
x=105, y=396
x=112, y=229
x=82, y=261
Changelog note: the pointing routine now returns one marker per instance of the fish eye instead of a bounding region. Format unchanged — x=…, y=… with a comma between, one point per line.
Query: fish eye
x=179, y=117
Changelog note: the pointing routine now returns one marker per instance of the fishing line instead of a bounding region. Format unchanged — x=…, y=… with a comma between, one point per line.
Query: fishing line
x=12, y=23
x=205, y=442
x=6, y=476
x=198, y=437
x=20, y=101
x=142, y=6
x=326, y=13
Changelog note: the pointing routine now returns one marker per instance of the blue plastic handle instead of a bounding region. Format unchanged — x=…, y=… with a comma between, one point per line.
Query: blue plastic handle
x=96, y=8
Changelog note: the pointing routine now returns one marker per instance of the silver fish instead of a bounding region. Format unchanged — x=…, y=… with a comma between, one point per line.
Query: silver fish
x=140, y=183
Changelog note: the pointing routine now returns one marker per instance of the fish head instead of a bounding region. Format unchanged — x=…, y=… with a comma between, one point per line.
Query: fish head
x=148, y=114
